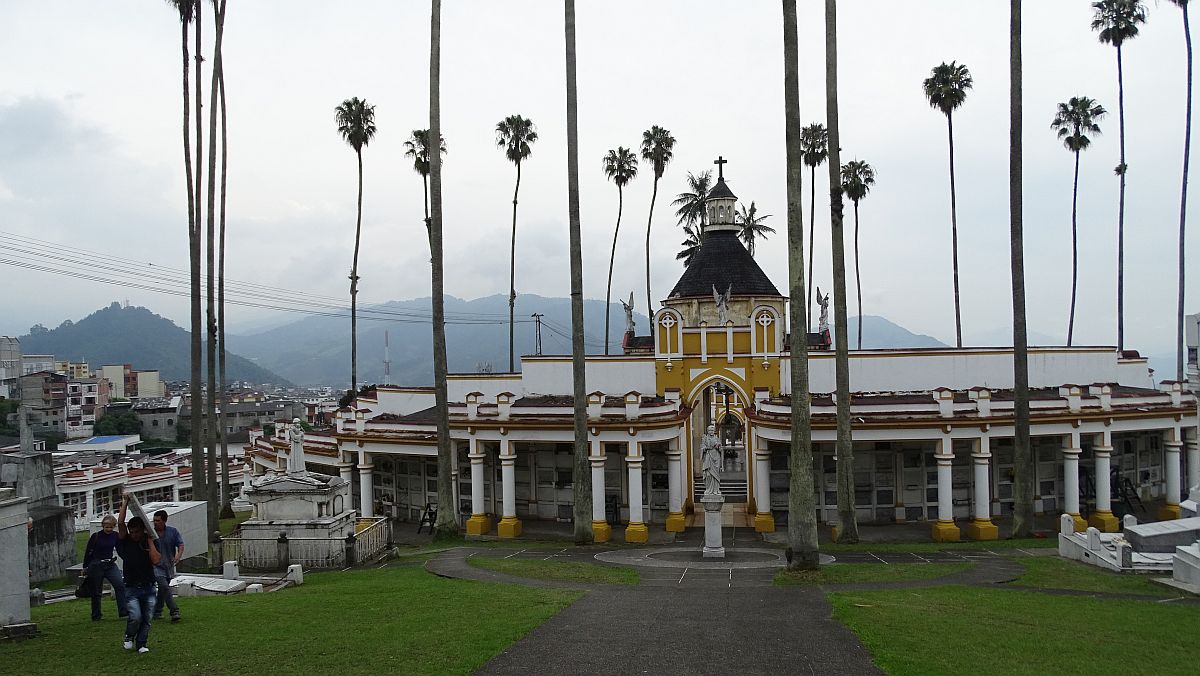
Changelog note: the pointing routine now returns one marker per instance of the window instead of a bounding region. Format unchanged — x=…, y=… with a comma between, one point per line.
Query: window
x=154, y=423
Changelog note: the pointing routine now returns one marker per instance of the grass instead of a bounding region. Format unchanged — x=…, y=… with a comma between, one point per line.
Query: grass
x=848, y=573
x=559, y=571
x=957, y=630
x=993, y=545
x=398, y=619
x=1051, y=572
x=228, y=526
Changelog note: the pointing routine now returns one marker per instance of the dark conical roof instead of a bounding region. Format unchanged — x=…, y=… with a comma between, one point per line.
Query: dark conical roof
x=723, y=262
x=720, y=190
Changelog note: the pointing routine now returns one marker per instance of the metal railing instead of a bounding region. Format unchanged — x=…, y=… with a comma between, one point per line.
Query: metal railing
x=371, y=536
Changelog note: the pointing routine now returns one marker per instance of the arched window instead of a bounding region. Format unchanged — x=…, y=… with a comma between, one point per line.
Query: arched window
x=154, y=423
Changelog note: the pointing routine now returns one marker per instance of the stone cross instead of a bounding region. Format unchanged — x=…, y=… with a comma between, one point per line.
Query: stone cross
x=720, y=162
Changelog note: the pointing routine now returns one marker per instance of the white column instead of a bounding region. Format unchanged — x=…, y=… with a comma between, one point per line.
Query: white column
x=90, y=499
x=1171, y=461
x=674, y=483
x=945, y=530
x=1102, y=518
x=366, y=490
x=636, y=531
x=346, y=471
x=1071, y=484
x=982, y=457
x=1193, y=463
x=764, y=522
x=478, y=523
x=510, y=525
x=601, y=530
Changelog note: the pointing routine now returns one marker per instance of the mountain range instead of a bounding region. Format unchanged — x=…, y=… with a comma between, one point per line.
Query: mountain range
x=136, y=336
x=315, y=350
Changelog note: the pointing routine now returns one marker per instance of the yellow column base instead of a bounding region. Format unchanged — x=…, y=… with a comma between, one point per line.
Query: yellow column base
x=1081, y=524
x=1104, y=522
x=833, y=533
x=1168, y=512
x=637, y=532
x=983, y=529
x=509, y=527
x=764, y=523
x=675, y=523
x=479, y=524
x=945, y=531
x=601, y=531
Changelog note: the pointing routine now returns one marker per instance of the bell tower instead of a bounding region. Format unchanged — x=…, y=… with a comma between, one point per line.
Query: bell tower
x=721, y=202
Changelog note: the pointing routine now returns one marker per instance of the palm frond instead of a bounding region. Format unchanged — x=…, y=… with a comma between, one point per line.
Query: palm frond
x=620, y=166
x=658, y=148
x=356, y=122
x=857, y=179
x=1117, y=20
x=947, y=85
x=515, y=134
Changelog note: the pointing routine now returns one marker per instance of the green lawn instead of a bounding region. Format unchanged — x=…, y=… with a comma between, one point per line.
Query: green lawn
x=846, y=573
x=993, y=545
x=962, y=630
x=398, y=619
x=560, y=571
x=1051, y=572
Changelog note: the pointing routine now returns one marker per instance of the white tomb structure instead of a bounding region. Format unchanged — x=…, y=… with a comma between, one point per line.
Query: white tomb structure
x=14, y=564
x=305, y=514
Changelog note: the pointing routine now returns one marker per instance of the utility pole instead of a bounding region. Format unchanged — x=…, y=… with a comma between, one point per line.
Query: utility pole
x=537, y=332
x=387, y=360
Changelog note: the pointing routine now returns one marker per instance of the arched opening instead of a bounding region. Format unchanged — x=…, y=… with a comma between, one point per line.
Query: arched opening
x=720, y=402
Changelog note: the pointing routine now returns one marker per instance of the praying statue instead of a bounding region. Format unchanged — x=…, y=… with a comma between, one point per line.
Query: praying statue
x=823, y=301
x=628, y=307
x=710, y=461
x=295, y=461
x=722, y=301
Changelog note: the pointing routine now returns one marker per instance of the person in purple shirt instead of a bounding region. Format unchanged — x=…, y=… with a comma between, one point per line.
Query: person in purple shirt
x=99, y=562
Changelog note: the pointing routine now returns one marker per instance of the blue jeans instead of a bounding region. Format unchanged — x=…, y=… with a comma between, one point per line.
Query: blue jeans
x=140, y=603
x=98, y=572
x=165, y=597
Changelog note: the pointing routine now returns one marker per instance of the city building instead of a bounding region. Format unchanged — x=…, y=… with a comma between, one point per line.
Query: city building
x=10, y=367
x=33, y=363
x=86, y=401
x=74, y=370
x=44, y=398
x=159, y=417
x=932, y=428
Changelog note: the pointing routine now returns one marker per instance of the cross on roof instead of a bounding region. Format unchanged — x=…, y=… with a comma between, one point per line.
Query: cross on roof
x=720, y=162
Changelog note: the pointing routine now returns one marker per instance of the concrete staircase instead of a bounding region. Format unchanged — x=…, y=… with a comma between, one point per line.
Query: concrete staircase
x=734, y=490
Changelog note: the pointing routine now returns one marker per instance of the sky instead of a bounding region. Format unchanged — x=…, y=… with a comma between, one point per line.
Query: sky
x=91, y=153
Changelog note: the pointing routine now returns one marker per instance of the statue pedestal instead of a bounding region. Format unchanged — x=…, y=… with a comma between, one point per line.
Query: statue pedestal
x=713, y=547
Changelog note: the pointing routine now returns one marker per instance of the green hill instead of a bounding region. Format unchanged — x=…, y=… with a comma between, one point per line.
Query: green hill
x=133, y=335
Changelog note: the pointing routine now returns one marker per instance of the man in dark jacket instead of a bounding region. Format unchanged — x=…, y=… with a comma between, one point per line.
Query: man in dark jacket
x=139, y=557
x=100, y=564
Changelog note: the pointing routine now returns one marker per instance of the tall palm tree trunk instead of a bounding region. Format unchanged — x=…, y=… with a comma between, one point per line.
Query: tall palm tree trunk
x=197, y=454
x=649, y=220
x=802, y=523
x=582, y=493
x=812, y=226
x=446, y=524
x=1121, y=209
x=210, y=412
x=226, y=507
x=844, y=448
x=954, y=234
x=425, y=194
x=857, y=276
x=1022, y=453
x=354, y=285
x=1074, y=250
x=1187, y=147
x=512, y=274
x=200, y=486
x=612, y=257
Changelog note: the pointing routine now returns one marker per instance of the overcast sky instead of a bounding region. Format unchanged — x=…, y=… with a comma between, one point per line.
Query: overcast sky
x=91, y=156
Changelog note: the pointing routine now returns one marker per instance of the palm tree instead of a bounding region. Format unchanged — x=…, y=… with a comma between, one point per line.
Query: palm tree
x=691, y=245
x=186, y=11
x=946, y=89
x=1117, y=21
x=446, y=524
x=752, y=226
x=514, y=134
x=1187, y=147
x=691, y=203
x=814, y=142
x=582, y=475
x=210, y=413
x=658, y=148
x=356, y=123
x=1023, y=467
x=620, y=166
x=845, y=443
x=417, y=149
x=802, y=523
x=1074, y=120
x=226, y=500
x=857, y=179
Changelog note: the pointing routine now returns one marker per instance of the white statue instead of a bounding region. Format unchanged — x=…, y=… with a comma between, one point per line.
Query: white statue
x=710, y=461
x=295, y=435
x=628, y=307
x=823, y=301
x=722, y=301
